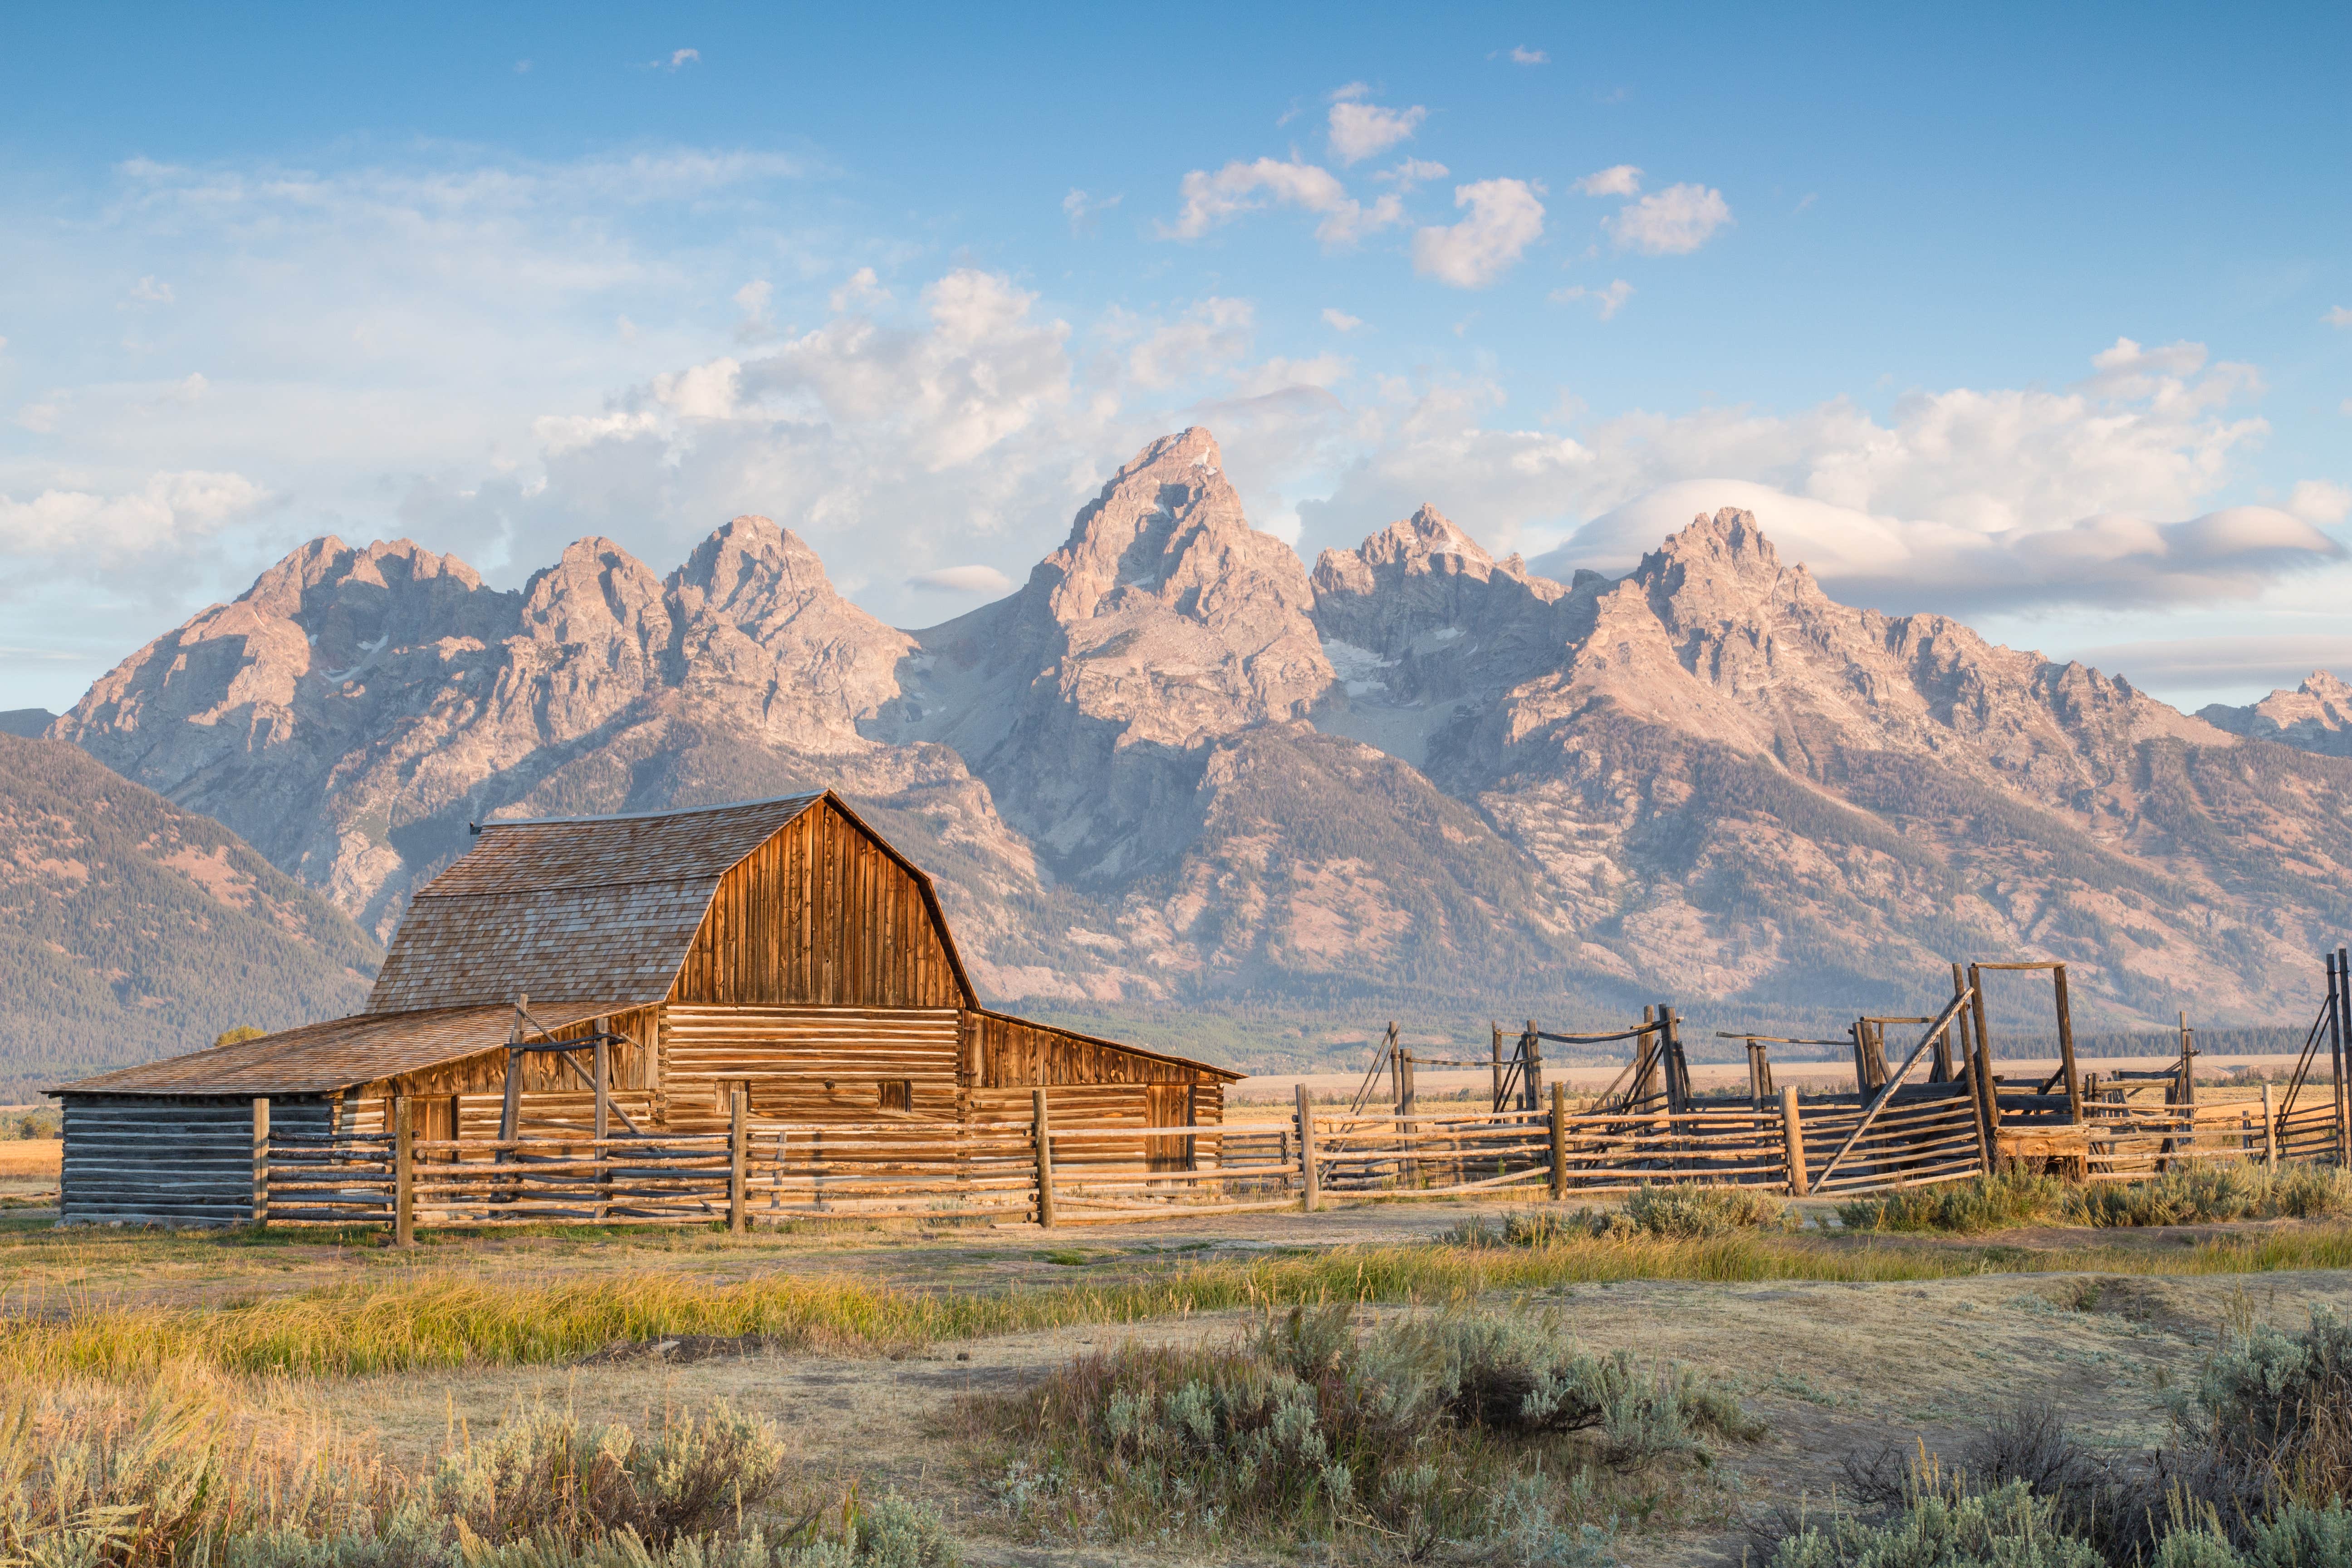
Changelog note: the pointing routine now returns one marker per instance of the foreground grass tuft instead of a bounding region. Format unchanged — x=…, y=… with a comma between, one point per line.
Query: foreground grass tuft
x=1668, y=1212
x=2203, y=1192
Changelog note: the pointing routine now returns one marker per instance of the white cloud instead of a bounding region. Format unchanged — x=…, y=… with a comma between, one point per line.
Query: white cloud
x=2319, y=502
x=148, y=291
x=963, y=580
x=1411, y=173
x=1360, y=131
x=1211, y=200
x=864, y=291
x=1605, y=302
x=40, y=418
x=1353, y=90
x=1619, y=180
x=2338, y=316
x=1504, y=219
x=682, y=58
x=1340, y=321
x=166, y=516
x=1960, y=498
x=1522, y=55
x=1082, y=210
x=1672, y=222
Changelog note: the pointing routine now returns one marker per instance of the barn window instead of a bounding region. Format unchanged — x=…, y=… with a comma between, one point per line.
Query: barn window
x=898, y=1094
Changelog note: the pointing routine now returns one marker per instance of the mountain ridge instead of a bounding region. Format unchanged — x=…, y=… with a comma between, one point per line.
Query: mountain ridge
x=1178, y=767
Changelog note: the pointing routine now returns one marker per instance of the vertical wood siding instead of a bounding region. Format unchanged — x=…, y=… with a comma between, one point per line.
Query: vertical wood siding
x=819, y=916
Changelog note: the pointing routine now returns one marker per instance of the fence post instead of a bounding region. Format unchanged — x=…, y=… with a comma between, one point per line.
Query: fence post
x=604, y=1124
x=1558, y=1142
x=2270, y=1131
x=1792, y=1141
x=1044, y=1134
x=403, y=1175
x=261, y=1161
x=1310, y=1195
x=739, y=1158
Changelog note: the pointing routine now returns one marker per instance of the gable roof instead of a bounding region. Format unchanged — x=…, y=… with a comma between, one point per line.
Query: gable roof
x=341, y=1053
x=573, y=906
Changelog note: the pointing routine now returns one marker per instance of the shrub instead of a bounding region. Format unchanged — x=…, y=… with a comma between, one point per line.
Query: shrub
x=1417, y=1429
x=36, y=1123
x=2211, y=1191
x=2011, y=1195
x=2006, y=1526
x=2270, y=1419
x=1670, y=1210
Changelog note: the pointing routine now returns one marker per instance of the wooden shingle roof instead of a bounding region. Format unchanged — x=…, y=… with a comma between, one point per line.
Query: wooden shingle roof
x=341, y=1053
x=571, y=907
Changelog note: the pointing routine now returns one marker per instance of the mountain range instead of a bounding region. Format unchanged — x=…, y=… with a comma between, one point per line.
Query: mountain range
x=1180, y=770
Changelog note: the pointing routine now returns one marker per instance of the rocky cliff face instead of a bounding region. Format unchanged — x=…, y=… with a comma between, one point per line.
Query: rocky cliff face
x=1176, y=766
x=2316, y=715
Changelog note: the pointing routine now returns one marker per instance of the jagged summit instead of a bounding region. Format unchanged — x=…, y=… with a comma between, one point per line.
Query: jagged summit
x=1176, y=764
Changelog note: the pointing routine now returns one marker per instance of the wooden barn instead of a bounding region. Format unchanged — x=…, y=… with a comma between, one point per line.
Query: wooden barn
x=780, y=948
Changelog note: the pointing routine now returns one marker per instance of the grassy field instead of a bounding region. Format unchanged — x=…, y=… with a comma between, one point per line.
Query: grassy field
x=395, y=1360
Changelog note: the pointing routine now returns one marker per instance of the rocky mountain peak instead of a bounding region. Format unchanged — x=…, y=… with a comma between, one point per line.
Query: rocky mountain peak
x=2316, y=715
x=1424, y=539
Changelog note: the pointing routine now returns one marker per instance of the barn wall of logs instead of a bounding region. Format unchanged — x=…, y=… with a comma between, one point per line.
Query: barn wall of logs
x=167, y=1158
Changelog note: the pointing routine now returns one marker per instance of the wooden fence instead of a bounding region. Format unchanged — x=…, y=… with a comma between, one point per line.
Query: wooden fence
x=771, y=1171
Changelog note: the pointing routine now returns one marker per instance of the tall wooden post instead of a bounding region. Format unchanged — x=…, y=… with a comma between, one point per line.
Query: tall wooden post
x=1646, y=1052
x=1041, y=1129
x=403, y=1175
x=261, y=1161
x=1792, y=1141
x=2342, y=1050
x=1531, y=1090
x=511, y=1107
x=2270, y=1131
x=2066, y=1046
x=2187, y=1064
x=603, y=1156
x=1670, y=1038
x=1408, y=1104
x=1310, y=1192
x=1988, y=1089
x=1981, y=1105
x=738, y=1159
x=1499, y=1067
x=1860, y=1059
x=1558, y=1142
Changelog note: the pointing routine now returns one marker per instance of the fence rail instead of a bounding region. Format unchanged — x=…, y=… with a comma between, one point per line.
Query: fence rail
x=770, y=1172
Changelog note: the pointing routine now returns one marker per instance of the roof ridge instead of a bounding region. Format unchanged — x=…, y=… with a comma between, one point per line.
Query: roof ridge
x=646, y=815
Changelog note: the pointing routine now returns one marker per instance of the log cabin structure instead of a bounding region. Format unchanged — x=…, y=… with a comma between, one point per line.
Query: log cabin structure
x=780, y=948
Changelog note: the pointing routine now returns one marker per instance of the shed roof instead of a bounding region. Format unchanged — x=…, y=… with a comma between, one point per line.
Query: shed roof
x=572, y=906
x=341, y=1053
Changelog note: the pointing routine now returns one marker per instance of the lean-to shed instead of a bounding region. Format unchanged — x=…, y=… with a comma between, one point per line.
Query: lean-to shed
x=781, y=947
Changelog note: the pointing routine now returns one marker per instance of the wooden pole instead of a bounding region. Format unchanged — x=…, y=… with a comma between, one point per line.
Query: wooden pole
x=738, y=1159
x=403, y=1175
x=1499, y=1067
x=1558, y=1142
x=2270, y=1131
x=261, y=1161
x=1677, y=1070
x=2066, y=1046
x=1792, y=1141
x=1041, y=1128
x=1310, y=1194
x=1531, y=1089
x=1885, y=1094
x=2342, y=1051
x=603, y=1087
x=1408, y=1104
x=1985, y=1086
x=2187, y=1064
x=511, y=1107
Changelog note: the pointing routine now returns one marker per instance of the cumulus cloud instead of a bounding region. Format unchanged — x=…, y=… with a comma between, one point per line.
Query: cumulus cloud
x=751, y=299
x=1506, y=217
x=1339, y=320
x=1524, y=56
x=1211, y=200
x=963, y=580
x=1210, y=336
x=1605, y=302
x=1672, y=222
x=1619, y=180
x=2338, y=316
x=1360, y=130
x=167, y=515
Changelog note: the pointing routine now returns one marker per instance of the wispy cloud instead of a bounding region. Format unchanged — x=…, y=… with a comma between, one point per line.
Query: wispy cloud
x=1672, y=222
x=2338, y=317
x=1211, y=200
x=1605, y=302
x=1621, y=180
x=148, y=291
x=1524, y=56
x=1083, y=210
x=677, y=58
x=963, y=580
x=1339, y=320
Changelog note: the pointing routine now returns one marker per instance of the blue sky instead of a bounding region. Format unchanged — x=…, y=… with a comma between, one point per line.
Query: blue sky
x=2043, y=319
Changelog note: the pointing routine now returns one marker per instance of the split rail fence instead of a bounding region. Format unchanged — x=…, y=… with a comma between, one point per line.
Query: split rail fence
x=768, y=1173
